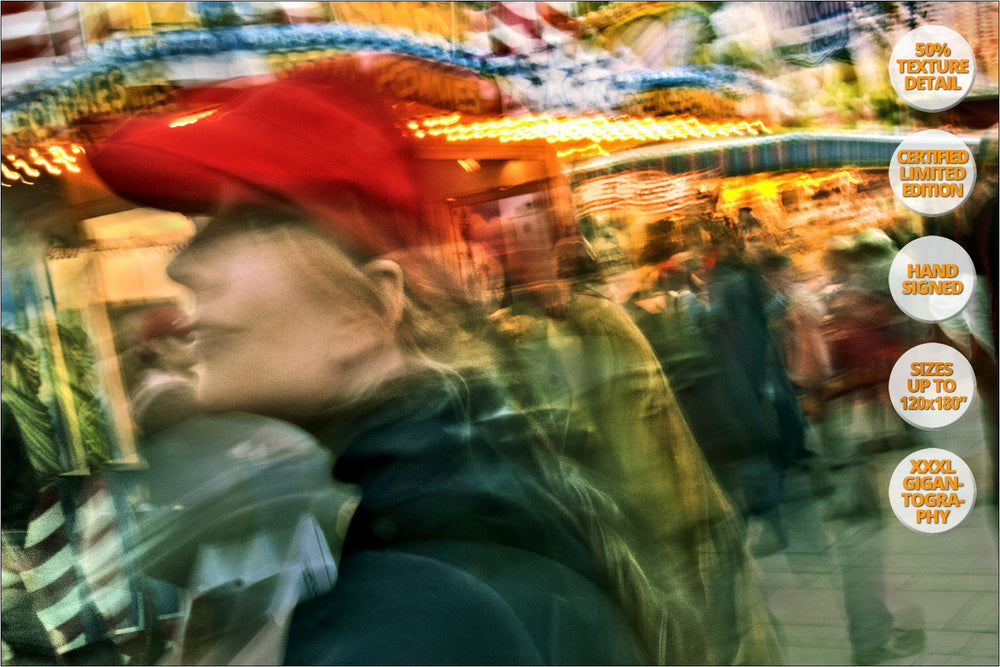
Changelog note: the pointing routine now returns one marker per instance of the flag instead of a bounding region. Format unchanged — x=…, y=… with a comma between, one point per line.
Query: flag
x=528, y=27
x=73, y=566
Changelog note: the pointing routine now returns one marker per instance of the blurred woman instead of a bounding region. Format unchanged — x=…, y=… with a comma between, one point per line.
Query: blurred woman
x=472, y=543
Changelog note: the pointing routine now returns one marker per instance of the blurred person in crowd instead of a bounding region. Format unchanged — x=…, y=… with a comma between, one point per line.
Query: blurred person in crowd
x=747, y=225
x=985, y=235
x=726, y=416
x=976, y=227
x=777, y=316
x=626, y=428
x=750, y=236
x=738, y=304
x=865, y=334
x=798, y=328
x=472, y=543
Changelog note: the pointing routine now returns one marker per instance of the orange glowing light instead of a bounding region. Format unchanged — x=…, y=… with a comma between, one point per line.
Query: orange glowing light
x=10, y=174
x=23, y=166
x=192, y=118
x=806, y=181
x=765, y=188
x=59, y=156
x=593, y=130
x=769, y=188
x=587, y=151
x=37, y=158
x=443, y=120
x=55, y=160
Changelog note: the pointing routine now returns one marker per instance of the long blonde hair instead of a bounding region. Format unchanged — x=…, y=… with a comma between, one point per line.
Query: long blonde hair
x=445, y=329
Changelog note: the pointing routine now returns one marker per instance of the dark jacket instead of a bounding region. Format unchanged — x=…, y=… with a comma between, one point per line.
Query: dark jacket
x=20, y=481
x=455, y=555
x=737, y=297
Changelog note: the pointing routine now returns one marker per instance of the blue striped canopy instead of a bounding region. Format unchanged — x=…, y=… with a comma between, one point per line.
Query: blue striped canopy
x=751, y=155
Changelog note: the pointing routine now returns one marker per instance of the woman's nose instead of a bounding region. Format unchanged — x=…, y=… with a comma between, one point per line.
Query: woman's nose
x=183, y=269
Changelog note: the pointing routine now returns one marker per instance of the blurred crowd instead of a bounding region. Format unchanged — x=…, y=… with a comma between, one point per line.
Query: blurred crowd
x=350, y=458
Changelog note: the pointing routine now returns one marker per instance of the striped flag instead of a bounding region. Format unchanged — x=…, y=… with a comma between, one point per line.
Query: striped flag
x=74, y=571
x=528, y=27
x=35, y=35
x=25, y=31
x=48, y=570
x=557, y=22
x=102, y=556
x=39, y=30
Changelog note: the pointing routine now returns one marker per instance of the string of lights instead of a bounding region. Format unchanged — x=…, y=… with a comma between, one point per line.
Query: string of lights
x=54, y=160
x=571, y=135
x=593, y=130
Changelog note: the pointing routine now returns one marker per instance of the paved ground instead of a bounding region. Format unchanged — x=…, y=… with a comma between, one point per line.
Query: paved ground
x=947, y=582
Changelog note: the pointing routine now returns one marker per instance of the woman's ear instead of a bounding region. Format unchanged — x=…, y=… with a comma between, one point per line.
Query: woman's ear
x=387, y=277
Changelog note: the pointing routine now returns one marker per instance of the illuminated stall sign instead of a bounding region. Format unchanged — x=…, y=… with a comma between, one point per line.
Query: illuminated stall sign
x=667, y=101
x=144, y=74
x=408, y=78
x=437, y=86
x=129, y=75
x=125, y=89
x=647, y=193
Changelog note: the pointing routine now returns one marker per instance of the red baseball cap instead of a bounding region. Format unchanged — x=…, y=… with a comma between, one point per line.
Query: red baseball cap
x=306, y=142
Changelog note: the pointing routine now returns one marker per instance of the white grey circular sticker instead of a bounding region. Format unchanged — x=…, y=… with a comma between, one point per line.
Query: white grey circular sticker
x=932, y=172
x=932, y=490
x=931, y=386
x=931, y=278
x=932, y=68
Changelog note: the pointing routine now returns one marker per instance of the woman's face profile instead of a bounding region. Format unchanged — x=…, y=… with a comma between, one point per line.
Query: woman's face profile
x=271, y=339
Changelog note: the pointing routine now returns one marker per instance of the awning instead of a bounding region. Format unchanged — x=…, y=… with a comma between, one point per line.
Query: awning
x=750, y=155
